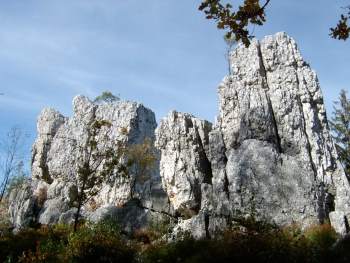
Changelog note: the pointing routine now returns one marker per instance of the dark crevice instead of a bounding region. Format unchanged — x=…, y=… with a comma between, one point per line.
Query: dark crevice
x=278, y=138
x=329, y=204
x=206, y=223
x=197, y=193
x=225, y=160
x=226, y=186
x=346, y=222
x=205, y=164
x=320, y=203
x=325, y=202
x=43, y=164
x=139, y=204
x=274, y=123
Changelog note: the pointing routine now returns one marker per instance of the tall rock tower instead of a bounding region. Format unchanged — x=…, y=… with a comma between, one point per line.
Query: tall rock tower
x=270, y=153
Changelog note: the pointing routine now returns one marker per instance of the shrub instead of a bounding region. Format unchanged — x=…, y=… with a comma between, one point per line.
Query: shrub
x=103, y=242
x=35, y=245
x=98, y=243
x=257, y=243
x=157, y=228
x=321, y=239
x=5, y=224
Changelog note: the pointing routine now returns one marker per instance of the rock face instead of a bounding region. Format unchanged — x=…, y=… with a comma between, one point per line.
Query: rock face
x=184, y=166
x=56, y=153
x=269, y=154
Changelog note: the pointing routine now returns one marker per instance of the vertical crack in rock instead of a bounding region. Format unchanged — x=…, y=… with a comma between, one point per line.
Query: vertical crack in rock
x=308, y=144
x=226, y=181
x=45, y=174
x=205, y=164
x=206, y=223
x=322, y=206
x=226, y=186
x=262, y=66
x=271, y=151
x=184, y=164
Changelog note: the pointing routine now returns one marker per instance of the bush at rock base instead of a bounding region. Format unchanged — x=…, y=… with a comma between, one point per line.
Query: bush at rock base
x=5, y=224
x=262, y=243
x=103, y=242
x=99, y=243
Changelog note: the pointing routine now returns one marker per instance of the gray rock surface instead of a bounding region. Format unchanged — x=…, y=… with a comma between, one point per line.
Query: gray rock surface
x=56, y=152
x=22, y=206
x=269, y=155
x=184, y=165
x=270, y=152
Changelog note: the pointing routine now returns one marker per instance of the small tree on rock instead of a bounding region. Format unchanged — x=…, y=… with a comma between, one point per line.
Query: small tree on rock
x=107, y=97
x=141, y=160
x=96, y=162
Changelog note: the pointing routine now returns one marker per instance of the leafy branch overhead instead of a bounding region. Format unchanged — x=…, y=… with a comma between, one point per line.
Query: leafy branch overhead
x=236, y=22
x=342, y=30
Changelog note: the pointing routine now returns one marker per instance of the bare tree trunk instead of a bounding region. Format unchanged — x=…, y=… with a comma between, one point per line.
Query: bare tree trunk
x=4, y=186
x=76, y=218
x=10, y=147
x=80, y=203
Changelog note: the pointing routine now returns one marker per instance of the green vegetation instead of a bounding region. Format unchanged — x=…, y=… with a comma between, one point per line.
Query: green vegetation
x=340, y=126
x=95, y=243
x=236, y=16
x=141, y=161
x=107, y=97
x=103, y=242
x=96, y=163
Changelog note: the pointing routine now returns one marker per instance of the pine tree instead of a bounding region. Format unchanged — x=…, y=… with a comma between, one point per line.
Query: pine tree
x=340, y=126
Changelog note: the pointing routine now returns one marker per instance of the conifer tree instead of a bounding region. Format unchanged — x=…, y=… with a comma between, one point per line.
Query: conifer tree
x=340, y=126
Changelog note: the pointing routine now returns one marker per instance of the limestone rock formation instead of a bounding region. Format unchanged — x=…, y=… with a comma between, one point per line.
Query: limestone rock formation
x=269, y=154
x=184, y=166
x=56, y=152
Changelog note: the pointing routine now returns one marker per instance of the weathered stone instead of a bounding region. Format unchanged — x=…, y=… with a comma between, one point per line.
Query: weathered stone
x=278, y=157
x=269, y=155
x=22, y=206
x=58, y=148
x=270, y=152
x=184, y=165
x=130, y=217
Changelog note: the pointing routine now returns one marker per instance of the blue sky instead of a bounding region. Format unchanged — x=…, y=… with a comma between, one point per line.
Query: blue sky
x=163, y=53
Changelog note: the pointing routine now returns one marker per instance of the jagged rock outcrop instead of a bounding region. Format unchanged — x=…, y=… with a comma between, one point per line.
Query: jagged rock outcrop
x=270, y=151
x=184, y=166
x=269, y=154
x=56, y=153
